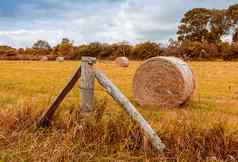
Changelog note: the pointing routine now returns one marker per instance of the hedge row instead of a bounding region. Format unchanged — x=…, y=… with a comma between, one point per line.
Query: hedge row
x=187, y=50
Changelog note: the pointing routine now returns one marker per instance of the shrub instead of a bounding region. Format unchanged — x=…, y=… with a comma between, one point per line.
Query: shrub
x=188, y=50
x=229, y=52
x=225, y=50
x=7, y=51
x=145, y=50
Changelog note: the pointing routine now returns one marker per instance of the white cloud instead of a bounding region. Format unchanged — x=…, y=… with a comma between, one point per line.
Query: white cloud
x=101, y=20
x=25, y=38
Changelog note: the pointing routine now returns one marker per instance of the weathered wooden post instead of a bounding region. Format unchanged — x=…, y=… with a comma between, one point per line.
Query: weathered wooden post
x=87, y=84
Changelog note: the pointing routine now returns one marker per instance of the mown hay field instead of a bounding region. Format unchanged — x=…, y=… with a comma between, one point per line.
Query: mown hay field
x=204, y=129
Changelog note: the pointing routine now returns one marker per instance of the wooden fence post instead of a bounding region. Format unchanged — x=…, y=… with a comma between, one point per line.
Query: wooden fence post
x=130, y=109
x=87, y=84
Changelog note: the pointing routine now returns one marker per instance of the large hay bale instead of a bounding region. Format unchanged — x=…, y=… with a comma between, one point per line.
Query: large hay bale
x=163, y=81
x=60, y=59
x=122, y=61
x=44, y=58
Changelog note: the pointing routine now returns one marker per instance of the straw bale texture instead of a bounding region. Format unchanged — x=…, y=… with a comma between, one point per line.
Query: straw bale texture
x=122, y=61
x=163, y=81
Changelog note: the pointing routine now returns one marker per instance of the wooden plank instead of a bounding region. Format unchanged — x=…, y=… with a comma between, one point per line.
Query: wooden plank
x=47, y=115
x=87, y=84
x=130, y=109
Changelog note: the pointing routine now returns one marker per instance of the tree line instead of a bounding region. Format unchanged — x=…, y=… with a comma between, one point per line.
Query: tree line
x=200, y=36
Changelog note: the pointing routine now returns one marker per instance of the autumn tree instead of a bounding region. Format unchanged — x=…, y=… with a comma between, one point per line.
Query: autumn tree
x=103, y=50
x=64, y=48
x=235, y=36
x=193, y=25
x=201, y=24
x=218, y=26
x=92, y=49
x=146, y=50
x=121, y=49
x=232, y=16
x=41, y=44
x=173, y=49
x=66, y=41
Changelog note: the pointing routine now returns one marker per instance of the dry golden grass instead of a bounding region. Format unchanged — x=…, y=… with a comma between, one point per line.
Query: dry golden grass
x=205, y=129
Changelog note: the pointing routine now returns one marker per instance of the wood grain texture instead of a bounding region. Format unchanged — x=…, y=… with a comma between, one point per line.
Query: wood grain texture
x=87, y=84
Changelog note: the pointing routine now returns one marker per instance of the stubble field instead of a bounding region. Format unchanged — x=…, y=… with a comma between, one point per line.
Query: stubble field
x=204, y=129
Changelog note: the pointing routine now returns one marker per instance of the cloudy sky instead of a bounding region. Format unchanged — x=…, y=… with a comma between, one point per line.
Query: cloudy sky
x=25, y=21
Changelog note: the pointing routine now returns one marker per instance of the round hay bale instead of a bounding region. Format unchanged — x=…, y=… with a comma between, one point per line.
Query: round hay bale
x=122, y=61
x=44, y=58
x=164, y=82
x=60, y=59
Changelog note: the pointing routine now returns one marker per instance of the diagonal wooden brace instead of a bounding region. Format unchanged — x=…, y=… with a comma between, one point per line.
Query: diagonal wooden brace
x=44, y=120
x=130, y=109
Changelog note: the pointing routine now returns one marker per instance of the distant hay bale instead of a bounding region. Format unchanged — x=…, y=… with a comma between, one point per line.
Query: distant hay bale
x=163, y=81
x=122, y=61
x=60, y=59
x=44, y=58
